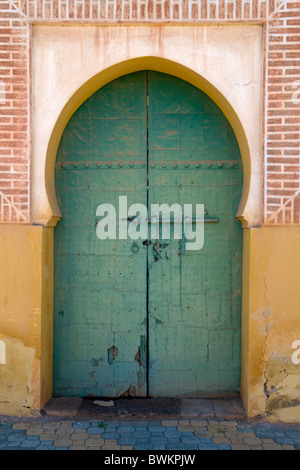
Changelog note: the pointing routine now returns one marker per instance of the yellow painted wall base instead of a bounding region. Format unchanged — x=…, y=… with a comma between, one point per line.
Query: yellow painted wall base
x=271, y=322
x=26, y=293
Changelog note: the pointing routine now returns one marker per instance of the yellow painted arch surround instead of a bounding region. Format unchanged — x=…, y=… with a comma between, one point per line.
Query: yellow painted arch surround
x=134, y=65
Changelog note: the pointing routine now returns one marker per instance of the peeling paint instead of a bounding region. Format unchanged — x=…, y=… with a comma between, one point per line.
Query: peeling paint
x=2, y=353
x=282, y=386
x=112, y=354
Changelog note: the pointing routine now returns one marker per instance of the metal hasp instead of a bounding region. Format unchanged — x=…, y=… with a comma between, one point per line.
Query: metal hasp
x=183, y=220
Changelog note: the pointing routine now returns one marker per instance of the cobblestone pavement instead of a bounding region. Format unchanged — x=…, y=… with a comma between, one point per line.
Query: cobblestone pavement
x=166, y=434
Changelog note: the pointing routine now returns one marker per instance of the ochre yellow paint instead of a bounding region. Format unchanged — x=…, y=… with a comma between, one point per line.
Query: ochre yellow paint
x=26, y=293
x=271, y=322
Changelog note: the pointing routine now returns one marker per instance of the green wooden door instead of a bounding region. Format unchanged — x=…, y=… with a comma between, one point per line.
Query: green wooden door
x=195, y=297
x=147, y=318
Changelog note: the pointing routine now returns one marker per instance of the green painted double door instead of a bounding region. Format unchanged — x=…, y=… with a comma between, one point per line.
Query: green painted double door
x=147, y=317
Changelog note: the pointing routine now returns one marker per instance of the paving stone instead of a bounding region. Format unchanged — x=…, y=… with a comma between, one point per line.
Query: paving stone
x=283, y=440
x=95, y=442
x=278, y=433
x=30, y=444
x=240, y=447
x=110, y=429
x=203, y=433
x=264, y=434
x=244, y=427
x=81, y=425
x=171, y=422
x=174, y=441
x=49, y=436
x=186, y=427
x=79, y=443
x=45, y=448
x=293, y=433
x=127, y=441
x=288, y=447
x=20, y=425
x=126, y=447
x=272, y=447
x=249, y=434
x=198, y=422
x=224, y=447
x=207, y=446
x=35, y=425
x=110, y=441
x=51, y=426
x=175, y=447
x=111, y=447
x=64, y=431
x=33, y=438
x=229, y=423
x=141, y=435
x=80, y=436
x=156, y=428
x=172, y=434
x=231, y=434
x=140, y=422
x=158, y=447
x=142, y=441
x=236, y=440
x=95, y=430
x=34, y=431
x=205, y=440
x=74, y=447
x=221, y=440
x=158, y=440
x=126, y=429
x=143, y=447
x=62, y=443
x=190, y=440
x=157, y=434
x=16, y=437
x=252, y=440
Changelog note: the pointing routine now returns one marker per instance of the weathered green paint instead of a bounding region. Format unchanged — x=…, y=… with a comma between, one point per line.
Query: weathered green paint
x=195, y=298
x=134, y=318
x=100, y=286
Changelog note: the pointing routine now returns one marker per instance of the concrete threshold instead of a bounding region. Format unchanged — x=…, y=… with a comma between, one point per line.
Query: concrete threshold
x=145, y=408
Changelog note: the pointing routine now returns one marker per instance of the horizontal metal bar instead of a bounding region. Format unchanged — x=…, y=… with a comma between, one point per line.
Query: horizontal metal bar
x=213, y=220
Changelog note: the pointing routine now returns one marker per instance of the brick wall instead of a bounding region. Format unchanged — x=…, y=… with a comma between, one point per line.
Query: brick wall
x=14, y=115
x=282, y=85
x=282, y=142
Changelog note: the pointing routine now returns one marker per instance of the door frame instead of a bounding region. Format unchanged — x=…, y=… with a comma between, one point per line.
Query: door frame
x=45, y=210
